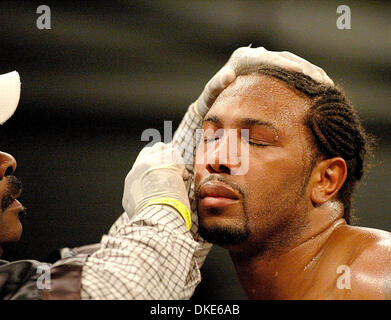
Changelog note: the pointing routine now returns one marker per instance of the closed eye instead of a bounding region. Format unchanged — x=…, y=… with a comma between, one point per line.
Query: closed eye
x=211, y=139
x=253, y=142
x=257, y=144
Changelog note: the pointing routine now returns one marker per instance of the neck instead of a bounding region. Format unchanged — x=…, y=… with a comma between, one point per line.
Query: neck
x=290, y=274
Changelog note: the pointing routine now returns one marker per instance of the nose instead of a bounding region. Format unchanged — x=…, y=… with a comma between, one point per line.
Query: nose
x=224, y=157
x=218, y=167
x=7, y=164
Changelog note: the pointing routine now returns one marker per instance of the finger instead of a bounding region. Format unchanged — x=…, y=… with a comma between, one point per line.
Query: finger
x=185, y=174
x=246, y=59
x=309, y=69
x=217, y=84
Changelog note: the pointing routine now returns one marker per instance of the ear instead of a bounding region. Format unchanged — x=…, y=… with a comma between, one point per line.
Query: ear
x=328, y=176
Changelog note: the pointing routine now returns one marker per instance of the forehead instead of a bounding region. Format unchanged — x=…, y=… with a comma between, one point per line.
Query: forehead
x=262, y=97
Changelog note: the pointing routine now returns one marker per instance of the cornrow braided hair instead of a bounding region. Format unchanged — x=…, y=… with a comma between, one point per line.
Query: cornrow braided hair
x=335, y=127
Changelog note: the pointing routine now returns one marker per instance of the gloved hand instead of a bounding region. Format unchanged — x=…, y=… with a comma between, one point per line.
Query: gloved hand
x=246, y=58
x=241, y=59
x=158, y=171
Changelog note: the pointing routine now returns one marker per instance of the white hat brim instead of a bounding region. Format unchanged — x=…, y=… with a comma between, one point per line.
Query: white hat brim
x=9, y=94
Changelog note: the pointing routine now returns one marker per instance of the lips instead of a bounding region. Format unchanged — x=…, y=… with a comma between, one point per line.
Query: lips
x=14, y=204
x=218, y=190
x=217, y=194
x=17, y=209
x=9, y=201
x=14, y=190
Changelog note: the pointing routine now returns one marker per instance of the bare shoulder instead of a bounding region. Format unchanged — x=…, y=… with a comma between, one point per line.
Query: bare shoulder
x=364, y=241
x=366, y=252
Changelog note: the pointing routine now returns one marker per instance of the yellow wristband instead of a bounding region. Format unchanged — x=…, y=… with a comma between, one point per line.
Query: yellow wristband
x=176, y=204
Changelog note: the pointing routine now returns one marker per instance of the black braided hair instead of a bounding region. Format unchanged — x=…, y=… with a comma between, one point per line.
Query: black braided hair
x=335, y=126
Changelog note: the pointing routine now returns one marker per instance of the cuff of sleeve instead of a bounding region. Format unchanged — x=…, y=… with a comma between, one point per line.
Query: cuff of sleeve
x=165, y=216
x=176, y=204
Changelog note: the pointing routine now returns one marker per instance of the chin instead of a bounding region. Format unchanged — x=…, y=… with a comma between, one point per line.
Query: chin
x=221, y=215
x=223, y=233
x=17, y=232
x=12, y=234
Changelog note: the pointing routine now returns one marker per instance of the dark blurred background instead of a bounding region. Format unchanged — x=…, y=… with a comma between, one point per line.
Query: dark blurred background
x=106, y=71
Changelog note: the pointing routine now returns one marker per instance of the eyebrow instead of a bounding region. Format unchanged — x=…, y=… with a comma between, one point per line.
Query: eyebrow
x=244, y=122
x=213, y=119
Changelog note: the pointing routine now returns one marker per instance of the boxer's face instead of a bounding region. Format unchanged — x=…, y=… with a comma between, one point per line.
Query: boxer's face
x=10, y=208
x=271, y=197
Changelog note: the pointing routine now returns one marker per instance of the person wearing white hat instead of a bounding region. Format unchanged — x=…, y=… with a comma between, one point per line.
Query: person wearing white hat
x=10, y=187
x=158, y=228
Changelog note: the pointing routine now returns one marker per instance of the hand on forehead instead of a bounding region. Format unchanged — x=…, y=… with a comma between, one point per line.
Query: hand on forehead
x=261, y=96
x=246, y=59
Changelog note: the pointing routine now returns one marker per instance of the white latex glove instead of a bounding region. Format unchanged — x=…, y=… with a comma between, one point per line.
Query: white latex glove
x=158, y=171
x=245, y=58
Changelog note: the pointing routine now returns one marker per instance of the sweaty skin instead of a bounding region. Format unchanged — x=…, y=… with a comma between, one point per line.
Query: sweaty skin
x=10, y=208
x=280, y=220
